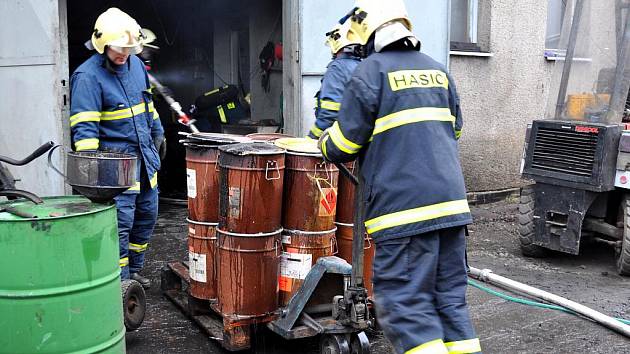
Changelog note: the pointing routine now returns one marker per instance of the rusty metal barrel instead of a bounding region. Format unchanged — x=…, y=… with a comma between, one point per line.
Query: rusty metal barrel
x=345, y=197
x=248, y=266
x=202, y=153
x=344, y=242
x=310, y=192
x=301, y=249
x=308, y=217
x=202, y=170
x=249, y=243
x=203, y=182
x=251, y=179
x=201, y=259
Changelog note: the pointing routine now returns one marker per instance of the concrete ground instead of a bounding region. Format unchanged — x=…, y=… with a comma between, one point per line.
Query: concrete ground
x=503, y=327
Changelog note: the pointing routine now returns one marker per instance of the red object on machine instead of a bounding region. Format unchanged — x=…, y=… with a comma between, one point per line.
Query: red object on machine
x=278, y=51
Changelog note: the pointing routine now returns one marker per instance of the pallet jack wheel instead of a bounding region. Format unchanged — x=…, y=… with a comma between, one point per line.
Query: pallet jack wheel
x=169, y=280
x=623, y=253
x=134, y=304
x=334, y=344
x=360, y=343
x=526, y=228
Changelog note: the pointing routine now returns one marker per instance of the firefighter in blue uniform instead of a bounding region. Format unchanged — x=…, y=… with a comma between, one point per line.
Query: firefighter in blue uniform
x=400, y=117
x=346, y=57
x=112, y=110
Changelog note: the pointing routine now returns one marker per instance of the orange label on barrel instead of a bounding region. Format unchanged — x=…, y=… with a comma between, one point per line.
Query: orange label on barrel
x=328, y=202
x=284, y=283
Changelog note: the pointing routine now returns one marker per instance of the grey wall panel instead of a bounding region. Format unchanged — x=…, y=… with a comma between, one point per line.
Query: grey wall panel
x=27, y=120
x=429, y=17
x=310, y=85
x=317, y=18
x=31, y=103
x=430, y=20
x=27, y=31
x=431, y=24
x=501, y=94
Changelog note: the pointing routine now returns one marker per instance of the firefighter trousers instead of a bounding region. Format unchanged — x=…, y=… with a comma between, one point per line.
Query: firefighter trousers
x=137, y=214
x=420, y=293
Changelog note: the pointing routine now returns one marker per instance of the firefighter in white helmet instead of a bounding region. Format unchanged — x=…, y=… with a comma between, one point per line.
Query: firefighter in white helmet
x=400, y=117
x=345, y=49
x=111, y=109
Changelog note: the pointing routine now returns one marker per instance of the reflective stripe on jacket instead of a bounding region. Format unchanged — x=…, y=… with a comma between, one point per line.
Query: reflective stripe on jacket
x=328, y=99
x=400, y=115
x=111, y=109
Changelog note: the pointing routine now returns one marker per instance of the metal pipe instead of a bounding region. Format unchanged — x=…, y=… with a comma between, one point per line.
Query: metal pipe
x=487, y=276
x=16, y=193
x=37, y=153
x=346, y=172
x=568, y=59
x=358, y=232
x=622, y=84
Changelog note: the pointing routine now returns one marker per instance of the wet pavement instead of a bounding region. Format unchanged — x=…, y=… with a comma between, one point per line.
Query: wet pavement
x=504, y=327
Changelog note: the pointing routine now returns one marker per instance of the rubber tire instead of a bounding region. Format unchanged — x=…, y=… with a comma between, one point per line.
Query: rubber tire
x=526, y=225
x=360, y=344
x=134, y=304
x=623, y=257
x=334, y=344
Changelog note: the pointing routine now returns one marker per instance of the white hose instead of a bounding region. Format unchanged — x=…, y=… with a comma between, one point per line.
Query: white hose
x=487, y=276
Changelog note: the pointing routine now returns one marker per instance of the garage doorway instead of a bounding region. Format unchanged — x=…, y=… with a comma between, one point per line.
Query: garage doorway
x=203, y=45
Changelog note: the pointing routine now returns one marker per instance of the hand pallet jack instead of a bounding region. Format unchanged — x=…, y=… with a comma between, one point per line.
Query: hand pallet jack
x=342, y=331
x=340, y=324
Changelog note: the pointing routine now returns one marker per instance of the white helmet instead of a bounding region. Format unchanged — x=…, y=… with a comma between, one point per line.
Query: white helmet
x=117, y=29
x=370, y=15
x=341, y=36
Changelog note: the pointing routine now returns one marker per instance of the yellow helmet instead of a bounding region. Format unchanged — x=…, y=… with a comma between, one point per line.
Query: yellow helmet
x=341, y=36
x=115, y=28
x=370, y=15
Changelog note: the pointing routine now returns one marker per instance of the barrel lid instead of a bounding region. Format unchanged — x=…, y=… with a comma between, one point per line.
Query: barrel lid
x=196, y=145
x=256, y=148
x=270, y=137
x=217, y=138
x=51, y=208
x=301, y=145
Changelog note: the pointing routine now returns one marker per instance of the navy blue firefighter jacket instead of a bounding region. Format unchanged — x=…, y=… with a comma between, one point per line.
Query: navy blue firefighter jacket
x=111, y=109
x=400, y=115
x=328, y=99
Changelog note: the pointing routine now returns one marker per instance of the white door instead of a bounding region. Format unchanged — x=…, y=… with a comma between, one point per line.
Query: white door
x=33, y=87
x=316, y=17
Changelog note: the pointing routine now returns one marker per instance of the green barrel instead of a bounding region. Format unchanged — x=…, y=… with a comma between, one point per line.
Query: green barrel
x=59, y=278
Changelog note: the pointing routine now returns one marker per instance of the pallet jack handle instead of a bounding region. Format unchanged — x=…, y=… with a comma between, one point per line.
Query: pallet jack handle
x=358, y=231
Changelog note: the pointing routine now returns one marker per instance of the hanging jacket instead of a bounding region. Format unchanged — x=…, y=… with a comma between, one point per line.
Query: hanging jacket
x=400, y=115
x=328, y=99
x=111, y=109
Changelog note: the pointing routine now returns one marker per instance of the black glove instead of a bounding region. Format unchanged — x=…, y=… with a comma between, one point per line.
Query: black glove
x=160, y=146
